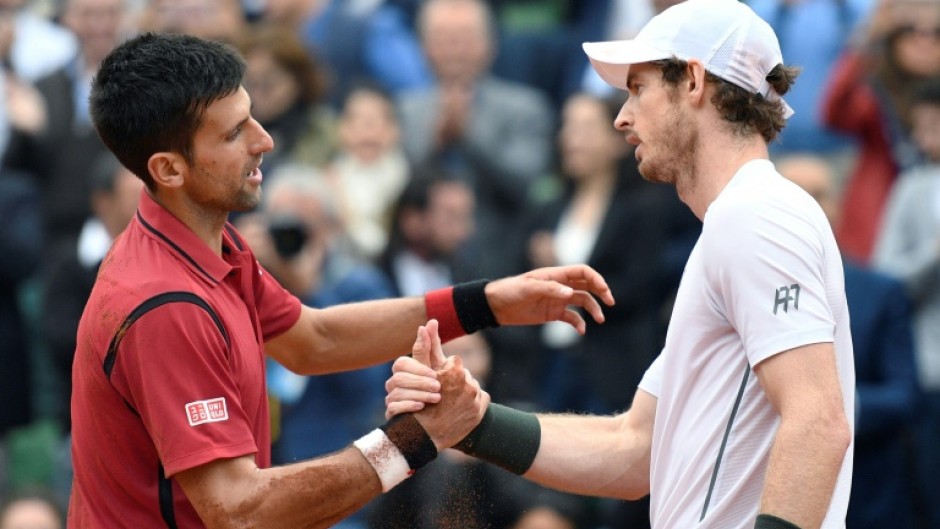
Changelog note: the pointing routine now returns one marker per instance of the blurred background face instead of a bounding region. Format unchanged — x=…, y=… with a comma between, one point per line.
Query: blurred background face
x=815, y=177
x=917, y=40
x=456, y=40
x=272, y=88
x=208, y=19
x=368, y=127
x=97, y=24
x=587, y=141
x=450, y=216
x=30, y=514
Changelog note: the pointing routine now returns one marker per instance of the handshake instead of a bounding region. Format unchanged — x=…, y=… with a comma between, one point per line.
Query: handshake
x=434, y=403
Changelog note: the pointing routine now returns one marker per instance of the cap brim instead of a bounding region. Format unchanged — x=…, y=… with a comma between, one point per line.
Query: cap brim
x=611, y=59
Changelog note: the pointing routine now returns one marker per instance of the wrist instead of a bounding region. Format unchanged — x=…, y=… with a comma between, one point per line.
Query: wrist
x=461, y=309
x=769, y=521
x=506, y=437
x=397, y=449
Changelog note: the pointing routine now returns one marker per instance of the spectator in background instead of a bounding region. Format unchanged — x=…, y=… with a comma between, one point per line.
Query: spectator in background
x=115, y=192
x=299, y=238
x=885, y=374
x=38, y=46
x=61, y=151
x=20, y=250
x=909, y=248
x=431, y=225
x=495, y=133
x=288, y=90
x=813, y=34
x=869, y=97
x=359, y=40
x=222, y=20
x=31, y=510
x=370, y=170
x=540, y=42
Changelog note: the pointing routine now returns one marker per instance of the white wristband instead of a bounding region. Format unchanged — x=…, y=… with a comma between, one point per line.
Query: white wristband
x=385, y=458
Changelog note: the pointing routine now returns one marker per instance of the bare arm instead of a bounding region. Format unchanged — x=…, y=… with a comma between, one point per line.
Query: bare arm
x=317, y=493
x=235, y=493
x=598, y=456
x=803, y=386
x=357, y=335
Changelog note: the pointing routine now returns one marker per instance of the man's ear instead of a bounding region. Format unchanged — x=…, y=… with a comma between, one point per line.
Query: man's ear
x=168, y=169
x=696, y=80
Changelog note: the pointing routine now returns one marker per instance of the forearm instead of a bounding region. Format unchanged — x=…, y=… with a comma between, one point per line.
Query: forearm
x=801, y=474
x=597, y=456
x=357, y=335
x=311, y=494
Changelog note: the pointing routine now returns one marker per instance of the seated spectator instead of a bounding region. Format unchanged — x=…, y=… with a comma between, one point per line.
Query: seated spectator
x=908, y=249
x=370, y=170
x=431, y=225
x=20, y=254
x=358, y=40
x=813, y=34
x=885, y=375
x=288, y=90
x=869, y=97
x=495, y=134
x=209, y=19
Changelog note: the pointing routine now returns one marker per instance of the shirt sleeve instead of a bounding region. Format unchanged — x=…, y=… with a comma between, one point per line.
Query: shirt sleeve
x=172, y=367
x=766, y=271
x=278, y=309
x=652, y=381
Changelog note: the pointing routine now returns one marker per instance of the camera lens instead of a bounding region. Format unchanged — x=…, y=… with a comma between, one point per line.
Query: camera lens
x=289, y=235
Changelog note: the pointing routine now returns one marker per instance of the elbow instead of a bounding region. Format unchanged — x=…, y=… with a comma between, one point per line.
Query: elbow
x=836, y=431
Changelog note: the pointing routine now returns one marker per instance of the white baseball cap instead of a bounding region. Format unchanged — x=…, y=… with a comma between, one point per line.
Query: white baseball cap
x=726, y=35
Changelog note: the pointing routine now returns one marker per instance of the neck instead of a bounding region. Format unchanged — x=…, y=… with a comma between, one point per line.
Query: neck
x=207, y=225
x=716, y=162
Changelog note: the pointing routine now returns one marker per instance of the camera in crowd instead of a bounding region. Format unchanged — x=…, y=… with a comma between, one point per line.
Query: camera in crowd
x=290, y=234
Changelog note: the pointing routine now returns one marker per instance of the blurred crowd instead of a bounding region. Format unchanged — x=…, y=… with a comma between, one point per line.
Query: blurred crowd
x=419, y=143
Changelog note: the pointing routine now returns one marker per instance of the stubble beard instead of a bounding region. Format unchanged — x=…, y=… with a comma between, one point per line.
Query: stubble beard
x=678, y=142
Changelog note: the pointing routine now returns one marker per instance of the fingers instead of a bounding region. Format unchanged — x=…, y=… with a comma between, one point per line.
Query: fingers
x=397, y=408
x=437, y=349
x=407, y=364
x=421, y=350
x=580, y=277
x=588, y=303
x=571, y=317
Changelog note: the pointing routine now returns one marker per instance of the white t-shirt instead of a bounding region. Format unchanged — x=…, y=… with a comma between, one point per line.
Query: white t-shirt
x=764, y=277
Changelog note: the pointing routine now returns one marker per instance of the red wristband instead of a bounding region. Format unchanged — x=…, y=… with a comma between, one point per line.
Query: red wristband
x=439, y=305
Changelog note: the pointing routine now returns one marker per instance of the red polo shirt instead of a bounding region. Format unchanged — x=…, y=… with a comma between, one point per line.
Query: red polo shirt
x=169, y=370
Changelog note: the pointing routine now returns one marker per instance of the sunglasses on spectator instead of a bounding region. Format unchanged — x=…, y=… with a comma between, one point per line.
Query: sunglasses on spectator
x=911, y=30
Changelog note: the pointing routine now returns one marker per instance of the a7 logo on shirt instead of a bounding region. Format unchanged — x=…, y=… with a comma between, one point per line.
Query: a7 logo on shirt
x=209, y=410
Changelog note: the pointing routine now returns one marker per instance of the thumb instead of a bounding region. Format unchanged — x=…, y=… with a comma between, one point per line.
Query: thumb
x=436, y=357
x=421, y=350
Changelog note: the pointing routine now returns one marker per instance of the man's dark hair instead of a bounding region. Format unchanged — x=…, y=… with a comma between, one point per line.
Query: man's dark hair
x=151, y=92
x=747, y=112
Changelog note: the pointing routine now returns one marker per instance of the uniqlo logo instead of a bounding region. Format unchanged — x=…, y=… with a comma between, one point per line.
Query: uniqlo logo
x=203, y=411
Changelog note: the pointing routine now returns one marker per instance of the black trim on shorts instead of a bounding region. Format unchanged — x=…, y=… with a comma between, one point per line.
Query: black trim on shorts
x=145, y=307
x=165, y=489
x=724, y=440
